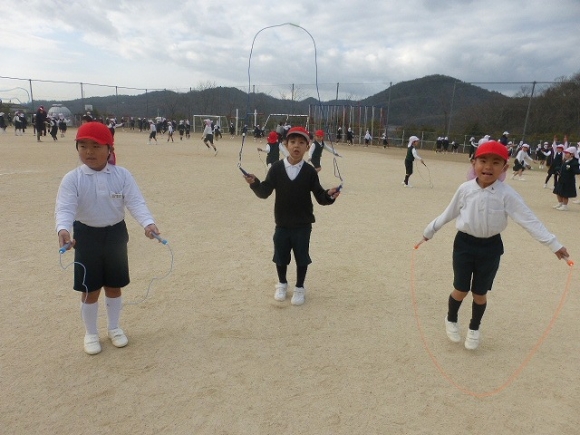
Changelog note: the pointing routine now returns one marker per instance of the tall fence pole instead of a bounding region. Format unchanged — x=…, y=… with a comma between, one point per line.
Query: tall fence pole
x=31, y=96
x=528, y=112
x=451, y=111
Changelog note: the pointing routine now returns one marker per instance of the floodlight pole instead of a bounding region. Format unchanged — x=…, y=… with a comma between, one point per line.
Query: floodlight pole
x=451, y=110
x=528, y=112
x=31, y=96
x=388, y=110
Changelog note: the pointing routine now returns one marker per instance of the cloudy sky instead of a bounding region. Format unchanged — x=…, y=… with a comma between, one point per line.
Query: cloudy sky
x=361, y=46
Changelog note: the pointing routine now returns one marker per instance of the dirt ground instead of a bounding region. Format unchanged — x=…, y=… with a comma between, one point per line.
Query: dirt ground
x=211, y=352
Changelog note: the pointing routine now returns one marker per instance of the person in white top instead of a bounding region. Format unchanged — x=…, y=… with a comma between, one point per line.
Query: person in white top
x=481, y=207
x=91, y=200
x=152, y=132
x=410, y=157
x=207, y=136
x=522, y=158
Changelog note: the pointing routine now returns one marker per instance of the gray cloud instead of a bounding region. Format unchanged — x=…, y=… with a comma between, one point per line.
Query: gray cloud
x=181, y=44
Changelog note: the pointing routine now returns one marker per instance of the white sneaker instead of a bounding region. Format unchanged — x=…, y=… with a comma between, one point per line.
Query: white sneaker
x=520, y=178
x=452, y=331
x=92, y=344
x=298, y=296
x=280, y=294
x=562, y=207
x=557, y=205
x=118, y=337
x=545, y=185
x=576, y=201
x=472, y=339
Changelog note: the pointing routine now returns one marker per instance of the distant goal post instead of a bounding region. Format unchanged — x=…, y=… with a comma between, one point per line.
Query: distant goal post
x=294, y=120
x=199, y=125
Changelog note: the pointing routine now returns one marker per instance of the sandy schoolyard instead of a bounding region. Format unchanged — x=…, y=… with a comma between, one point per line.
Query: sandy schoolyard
x=211, y=352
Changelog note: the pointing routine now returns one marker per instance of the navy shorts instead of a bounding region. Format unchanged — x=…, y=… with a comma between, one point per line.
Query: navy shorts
x=103, y=253
x=408, y=167
x=475, y=262
x=292, y=239
x=208, y=138
x=316, y=162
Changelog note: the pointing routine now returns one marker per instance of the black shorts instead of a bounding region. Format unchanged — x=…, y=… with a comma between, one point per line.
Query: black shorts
x=475, y=262
x=103, y=255
x=518, y=165
x=408, y=167
x=292, y=239
x=208, y=138
x=315, y=162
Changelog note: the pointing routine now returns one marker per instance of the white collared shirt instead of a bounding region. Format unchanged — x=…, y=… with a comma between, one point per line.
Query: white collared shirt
x=293, y=170
x=483, y=213
x=98, y=198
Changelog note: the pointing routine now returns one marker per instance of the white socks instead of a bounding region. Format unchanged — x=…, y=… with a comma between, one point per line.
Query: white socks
x=114, y=306
x=89, y=314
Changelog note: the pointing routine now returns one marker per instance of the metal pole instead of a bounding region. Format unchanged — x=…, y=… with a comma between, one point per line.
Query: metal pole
x=388, y=110
x=451, y=110
x=372, y=122
x=82, y=97
x=336, y=127
x=528, y=112
x=31, y=96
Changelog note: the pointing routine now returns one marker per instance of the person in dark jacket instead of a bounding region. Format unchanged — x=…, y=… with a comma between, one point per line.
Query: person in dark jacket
x=293, y=180
x=40, y=122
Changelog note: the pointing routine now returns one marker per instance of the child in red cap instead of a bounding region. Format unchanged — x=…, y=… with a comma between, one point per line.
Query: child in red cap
x=273, y=149
x=293, y=181
x=91, y=200
x=316, y=148
x=481, y=207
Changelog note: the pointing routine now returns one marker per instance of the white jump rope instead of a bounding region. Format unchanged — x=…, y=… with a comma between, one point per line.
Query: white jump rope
x=65, y=247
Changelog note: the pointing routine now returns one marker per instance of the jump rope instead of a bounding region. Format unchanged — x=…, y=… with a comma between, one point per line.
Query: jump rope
x=527, y=358
x=336, y=169
x=146, y=296
x=427, y=179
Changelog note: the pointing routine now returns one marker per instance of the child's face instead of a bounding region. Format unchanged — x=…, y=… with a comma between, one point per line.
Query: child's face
x=567, y=156
x=318, y=138
x=297, y=146
x=488, y=168
x=92, y=154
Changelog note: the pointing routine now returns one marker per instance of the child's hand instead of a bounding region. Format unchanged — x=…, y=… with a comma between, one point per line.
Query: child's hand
x=250, y=178
x=150, y=230
x=562, y=253
x=64, y=239
x=424, y=239
x=334, y=192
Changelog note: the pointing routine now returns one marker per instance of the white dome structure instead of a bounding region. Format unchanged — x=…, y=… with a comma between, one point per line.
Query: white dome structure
x=59, y=111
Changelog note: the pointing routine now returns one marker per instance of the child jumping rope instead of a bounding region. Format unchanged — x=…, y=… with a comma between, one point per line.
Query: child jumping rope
x=91, y=200
x=482, y=206
x=293, y=180
x=409, y=158
x=316, y=148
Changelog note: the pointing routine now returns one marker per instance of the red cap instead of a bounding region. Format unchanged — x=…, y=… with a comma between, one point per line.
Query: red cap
x=492, y=147
x=319, y=133
x=300, y=131
x=96, y=131
x=273, y=137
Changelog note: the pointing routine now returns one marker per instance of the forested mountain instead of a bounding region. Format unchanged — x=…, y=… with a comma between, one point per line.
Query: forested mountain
x=424, y=104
